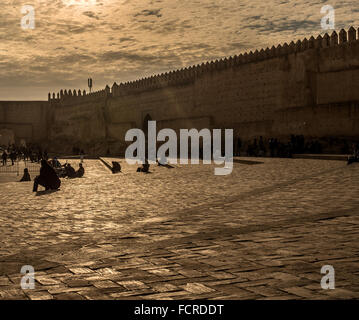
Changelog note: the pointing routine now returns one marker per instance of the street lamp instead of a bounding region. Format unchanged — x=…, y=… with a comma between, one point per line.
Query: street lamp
x=89, y=83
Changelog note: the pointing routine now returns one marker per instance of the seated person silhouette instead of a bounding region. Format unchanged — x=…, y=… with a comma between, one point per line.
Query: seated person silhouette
x=47, y=178
x=80, y=172
x=26, y=176
x=145, y=167
x=116, y=167
x=56, y=163
x=70, y=171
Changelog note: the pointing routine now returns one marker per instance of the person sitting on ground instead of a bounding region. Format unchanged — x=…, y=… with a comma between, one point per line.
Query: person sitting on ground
x=26, y=176
x=80, y=172
x=47, y=178
x=56, y=163
x=116, y=167
x=70, y=171
x=145, y=167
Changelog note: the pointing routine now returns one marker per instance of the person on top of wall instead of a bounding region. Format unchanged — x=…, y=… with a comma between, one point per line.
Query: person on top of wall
x=47, y=178
x=80, y=172
x=26, y=176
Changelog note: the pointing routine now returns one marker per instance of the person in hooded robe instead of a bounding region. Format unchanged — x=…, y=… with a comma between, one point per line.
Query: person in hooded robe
x=116, y=167
x=26, y=176
x=70, y=171
x=47, y=178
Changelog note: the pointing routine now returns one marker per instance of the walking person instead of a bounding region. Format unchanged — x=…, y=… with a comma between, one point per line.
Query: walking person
x=4, y=158
x=13, y=157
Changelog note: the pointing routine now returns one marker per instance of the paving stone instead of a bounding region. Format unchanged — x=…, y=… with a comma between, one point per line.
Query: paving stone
x=80, y=270
x=300, y=292
x=132, y=285
x=40, y=295
x=105, y=284
x=68, y=296
x=75, y=283
x=263, y=232
x=4, y=281
x=46, y=280
x=138, y=292
x=164, y=287
x=339, y=293
x=195, y=287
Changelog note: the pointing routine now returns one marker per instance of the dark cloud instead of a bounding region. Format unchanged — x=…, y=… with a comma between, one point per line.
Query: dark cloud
x=112, y=56
x=127, y=39
x=91, y=14
x=122, y=40
x=146, y=13
x=283, y=26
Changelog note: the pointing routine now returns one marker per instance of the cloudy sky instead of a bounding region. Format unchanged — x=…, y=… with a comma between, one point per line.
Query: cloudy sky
x=121, y=40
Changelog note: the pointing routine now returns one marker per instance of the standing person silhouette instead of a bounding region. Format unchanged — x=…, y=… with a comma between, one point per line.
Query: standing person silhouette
x=4, y=158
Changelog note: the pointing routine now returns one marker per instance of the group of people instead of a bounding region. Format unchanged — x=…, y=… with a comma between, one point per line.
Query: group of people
x=31, y=153
x=145, y=167
x=8, y=155
x=67, y=170
x=116, y=167
x=273, y=147
x=50, y=174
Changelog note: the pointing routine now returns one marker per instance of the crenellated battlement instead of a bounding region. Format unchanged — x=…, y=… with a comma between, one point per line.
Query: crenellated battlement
x=72, y=96
x=188, y=75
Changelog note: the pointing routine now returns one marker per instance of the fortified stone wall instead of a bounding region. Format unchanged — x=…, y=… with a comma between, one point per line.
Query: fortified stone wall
x=309, y=87
x=27, y=120
x=78, y=124
x=306, y=87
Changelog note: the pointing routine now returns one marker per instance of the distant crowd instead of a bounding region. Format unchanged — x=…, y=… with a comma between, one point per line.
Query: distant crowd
x=51, y=170
x=50, y=173
x=274, y=147
x=14, y=153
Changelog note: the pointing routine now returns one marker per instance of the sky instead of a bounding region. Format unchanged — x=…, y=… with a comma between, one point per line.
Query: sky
x=124, y=40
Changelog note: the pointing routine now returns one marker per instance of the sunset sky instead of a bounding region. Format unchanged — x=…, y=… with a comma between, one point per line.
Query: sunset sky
x=122, y=40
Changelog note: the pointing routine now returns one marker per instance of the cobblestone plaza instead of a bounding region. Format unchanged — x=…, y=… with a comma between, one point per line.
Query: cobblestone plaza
x=262, y=232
